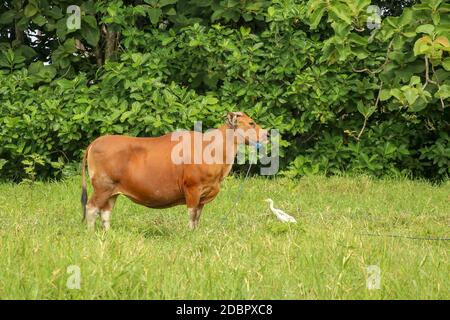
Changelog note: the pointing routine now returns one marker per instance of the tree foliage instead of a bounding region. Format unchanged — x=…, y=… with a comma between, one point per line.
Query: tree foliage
x=344, y=94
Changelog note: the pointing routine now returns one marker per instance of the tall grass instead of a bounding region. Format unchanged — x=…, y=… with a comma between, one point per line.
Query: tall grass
x=248, y=254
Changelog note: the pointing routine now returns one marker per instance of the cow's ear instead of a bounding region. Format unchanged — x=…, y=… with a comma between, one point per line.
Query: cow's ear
x=232, y=118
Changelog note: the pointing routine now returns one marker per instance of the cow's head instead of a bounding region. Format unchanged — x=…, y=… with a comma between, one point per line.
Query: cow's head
x=247, y=130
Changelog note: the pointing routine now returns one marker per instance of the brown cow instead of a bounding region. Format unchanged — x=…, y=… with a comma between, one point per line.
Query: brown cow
x=143, y=169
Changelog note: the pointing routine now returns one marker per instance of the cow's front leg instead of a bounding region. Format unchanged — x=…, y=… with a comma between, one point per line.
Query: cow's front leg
x=192, y=213
x=198, y=213
x=192, y=202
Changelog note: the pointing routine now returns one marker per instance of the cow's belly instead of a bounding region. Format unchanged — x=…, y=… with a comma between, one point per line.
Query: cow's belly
x=153, y=195
x=157, y=203
x=155, y=183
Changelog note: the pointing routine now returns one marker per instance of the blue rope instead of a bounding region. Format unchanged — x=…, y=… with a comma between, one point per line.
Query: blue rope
x=238, y=195
x=406, y=237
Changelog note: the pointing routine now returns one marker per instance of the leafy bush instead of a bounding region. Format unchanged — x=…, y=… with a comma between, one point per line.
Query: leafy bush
x=57, y=121
x=343, y=97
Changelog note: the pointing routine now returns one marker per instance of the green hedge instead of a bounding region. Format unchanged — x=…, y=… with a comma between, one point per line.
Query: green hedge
x=343, y=99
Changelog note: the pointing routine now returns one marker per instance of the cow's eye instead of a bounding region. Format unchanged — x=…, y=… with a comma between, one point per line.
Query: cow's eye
x=252, y=124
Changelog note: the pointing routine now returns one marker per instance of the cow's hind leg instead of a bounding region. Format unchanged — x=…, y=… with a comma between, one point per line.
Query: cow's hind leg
x=99, y=202
x=91, y=215
x=105, y=212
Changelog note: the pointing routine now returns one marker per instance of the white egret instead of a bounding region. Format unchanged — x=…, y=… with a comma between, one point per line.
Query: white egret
x=281, y=215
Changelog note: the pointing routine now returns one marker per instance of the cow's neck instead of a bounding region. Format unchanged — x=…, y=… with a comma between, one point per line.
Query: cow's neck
x=229, y=147
x=229, y=144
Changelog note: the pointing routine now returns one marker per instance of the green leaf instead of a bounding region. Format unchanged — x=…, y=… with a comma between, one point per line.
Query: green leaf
x=125, y=115
x=356, y=38
x=54, y=12
x=446, y=64
x=7, y=17
x=245, y=31
x=61, y=29
x=425, y=28
x=385, y=94
x=414, y=80
x=410, y=34
x=411, y=94
x=165, y=41
x=171, y=12
x=422, y=45
x=397, y=93
x=154, y=14
x=91, y=35
x=137, y=58
x=444, y=91
x=419, y=105
x=392, y=21
x=360, y=53
x=91, y=21
x=39, y=20
x=316, y=16
x=258, y=45
x=389, y=148
x=211, y=100
x=422, y=7
x=342, y=12
x=69, y=46
x=163, y=3
x=2, y=163
x=22, y=24
x=78, y=116
x=30, y=10
x=365, y=110
x=406, y=17
x=26, y=51
x=436, y=18
x=218, y=13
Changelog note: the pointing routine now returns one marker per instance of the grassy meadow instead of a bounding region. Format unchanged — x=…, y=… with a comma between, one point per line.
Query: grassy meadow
x=248, y=254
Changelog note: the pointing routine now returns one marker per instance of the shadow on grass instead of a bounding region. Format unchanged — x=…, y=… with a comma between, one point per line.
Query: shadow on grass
x=150, y=227
x=156, y=231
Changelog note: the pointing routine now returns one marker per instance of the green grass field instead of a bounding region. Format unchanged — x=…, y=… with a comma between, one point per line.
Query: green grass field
x=152, y=254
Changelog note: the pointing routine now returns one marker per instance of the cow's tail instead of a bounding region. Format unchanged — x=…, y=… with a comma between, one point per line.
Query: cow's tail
x=84, y=196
